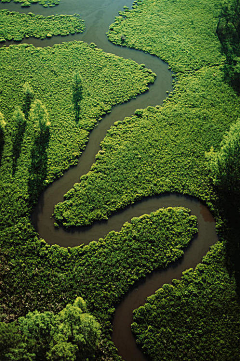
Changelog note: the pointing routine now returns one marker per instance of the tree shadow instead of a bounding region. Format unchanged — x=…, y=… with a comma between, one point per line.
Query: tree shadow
x=17, y=143
x=228, y=32
x=229, y=206
x=77, y=95
x=38, y=168
x=1, y=145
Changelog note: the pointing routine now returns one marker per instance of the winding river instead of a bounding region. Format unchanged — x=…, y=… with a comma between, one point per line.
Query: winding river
x=98, y=15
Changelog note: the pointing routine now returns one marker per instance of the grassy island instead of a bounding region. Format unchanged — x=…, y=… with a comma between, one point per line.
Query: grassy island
x=27, y=3
x=16, y=26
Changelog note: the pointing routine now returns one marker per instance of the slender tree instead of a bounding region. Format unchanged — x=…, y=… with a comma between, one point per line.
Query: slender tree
x=19, y=122
x=2, y=134
x=2, y=126
x=28, y=96
x=38, y=116
x=77, y=94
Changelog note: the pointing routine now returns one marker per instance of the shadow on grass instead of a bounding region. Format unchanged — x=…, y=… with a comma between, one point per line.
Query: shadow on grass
x=38, y=168
x=229, y=205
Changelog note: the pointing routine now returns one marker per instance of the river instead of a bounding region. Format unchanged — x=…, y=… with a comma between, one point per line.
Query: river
x=98, y=15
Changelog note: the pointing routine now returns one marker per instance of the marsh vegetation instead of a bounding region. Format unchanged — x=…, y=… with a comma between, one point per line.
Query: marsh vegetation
x=44, y=128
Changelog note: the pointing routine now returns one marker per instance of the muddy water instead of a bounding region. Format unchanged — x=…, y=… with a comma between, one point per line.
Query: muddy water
x=98, y=15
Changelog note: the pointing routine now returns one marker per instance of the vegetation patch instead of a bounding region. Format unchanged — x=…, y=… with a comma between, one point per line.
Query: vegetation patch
x=101, y=272
x=163, y=149
x=106, y=80
x=183, y=33
x=16, y=26
x=196, y=318
x=26, y=3
x=70, y=335
x=159, y=150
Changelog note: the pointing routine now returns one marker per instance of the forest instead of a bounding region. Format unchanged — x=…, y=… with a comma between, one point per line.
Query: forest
x=58, y=303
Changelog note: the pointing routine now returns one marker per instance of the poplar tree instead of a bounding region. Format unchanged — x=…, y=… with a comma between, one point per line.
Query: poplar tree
x=19, y=126
x=2, y=126
x=38, y=116
x=77, y=93
x=28, y=96
x=2, y=132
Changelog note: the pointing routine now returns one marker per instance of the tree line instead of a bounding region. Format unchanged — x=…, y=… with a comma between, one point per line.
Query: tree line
x=228, y=31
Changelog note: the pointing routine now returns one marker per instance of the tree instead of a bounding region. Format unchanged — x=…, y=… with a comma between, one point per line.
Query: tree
x=2, y=134
x=2, y=126
x=225, y=164
x=79, y=328
x=77, y=93
x=70, y=335
x=37, y=330
x=9, y=338
x=28, y=96
x=19, y=122
x=228, y=31
x=225, y=173
x=38, y=115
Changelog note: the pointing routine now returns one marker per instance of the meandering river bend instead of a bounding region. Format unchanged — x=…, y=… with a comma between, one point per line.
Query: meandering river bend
x=98, y=15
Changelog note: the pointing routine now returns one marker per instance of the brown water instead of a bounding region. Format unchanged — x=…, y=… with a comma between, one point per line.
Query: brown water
x=98, y=15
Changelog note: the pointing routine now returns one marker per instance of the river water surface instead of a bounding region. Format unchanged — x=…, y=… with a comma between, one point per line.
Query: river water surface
x=98, y=15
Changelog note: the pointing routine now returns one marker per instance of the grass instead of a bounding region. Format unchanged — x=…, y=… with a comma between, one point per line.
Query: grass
x=27, y=3
x=162, y=150
x=67, y=137
x=16, y=26
x=43, y=277
x=196, y=318
x=157, y=150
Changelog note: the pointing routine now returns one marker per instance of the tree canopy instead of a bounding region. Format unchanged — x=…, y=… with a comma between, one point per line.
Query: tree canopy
x=72, y=334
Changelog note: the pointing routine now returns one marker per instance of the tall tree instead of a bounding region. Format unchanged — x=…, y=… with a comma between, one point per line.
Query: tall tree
x=28, y=96
x=77, y=94
x=225, y=164
x=80, y=328
x=2, y=134
x=225, y=173
x=19, y=126
x=38, y=117
x=228, y=31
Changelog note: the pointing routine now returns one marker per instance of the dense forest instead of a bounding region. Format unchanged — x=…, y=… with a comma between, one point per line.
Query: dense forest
x=58, y=303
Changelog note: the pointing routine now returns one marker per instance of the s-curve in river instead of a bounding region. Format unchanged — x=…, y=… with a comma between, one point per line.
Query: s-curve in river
x=98, y=15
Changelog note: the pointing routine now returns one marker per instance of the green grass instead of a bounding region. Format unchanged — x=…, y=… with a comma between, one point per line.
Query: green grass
x=107, y=80
x=16, y=26
x=196, y=318
x=179, y=32
x=43, y=277
x=26, y=3
x=161, y=150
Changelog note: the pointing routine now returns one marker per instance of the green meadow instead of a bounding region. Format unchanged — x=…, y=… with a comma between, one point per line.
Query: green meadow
x=16, y=26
